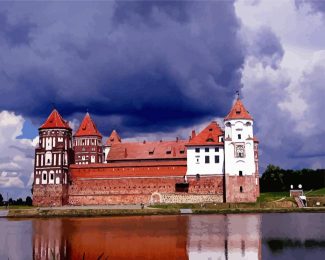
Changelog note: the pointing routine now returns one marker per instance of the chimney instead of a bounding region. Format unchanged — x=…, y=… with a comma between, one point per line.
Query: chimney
x=144, y=141
x=125, y=153
x=193, y=133
x=176, y=139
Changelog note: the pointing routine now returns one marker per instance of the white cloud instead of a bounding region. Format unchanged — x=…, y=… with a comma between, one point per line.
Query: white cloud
x=16, y=155
x=287, y=101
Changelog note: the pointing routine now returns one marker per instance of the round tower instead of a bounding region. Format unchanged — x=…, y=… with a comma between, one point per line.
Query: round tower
x=53, y=156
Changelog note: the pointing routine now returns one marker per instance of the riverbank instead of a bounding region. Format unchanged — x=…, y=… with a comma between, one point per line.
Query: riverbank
x=94, y=212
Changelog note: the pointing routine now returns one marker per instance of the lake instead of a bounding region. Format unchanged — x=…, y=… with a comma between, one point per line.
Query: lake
x=231, y=236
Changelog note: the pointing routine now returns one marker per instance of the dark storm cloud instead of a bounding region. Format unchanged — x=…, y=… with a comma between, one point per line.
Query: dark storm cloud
x=154, y=65
x=315, y=5
x=16, y=33
x=265, y=46
x=145, y=10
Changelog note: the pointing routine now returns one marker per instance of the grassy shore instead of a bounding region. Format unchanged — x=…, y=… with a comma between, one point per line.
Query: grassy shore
x=279, y=202
x=40, y=213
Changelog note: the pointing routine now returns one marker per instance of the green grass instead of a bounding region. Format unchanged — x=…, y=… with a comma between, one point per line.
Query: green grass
x=320, y=192
x=272, y=196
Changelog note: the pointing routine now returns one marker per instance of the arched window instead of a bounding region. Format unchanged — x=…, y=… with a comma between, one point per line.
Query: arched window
x=241, y=189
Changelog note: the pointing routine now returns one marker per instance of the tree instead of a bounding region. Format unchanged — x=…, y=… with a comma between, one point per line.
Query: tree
x=29, y=201
x=1, y=200
x=20, y=201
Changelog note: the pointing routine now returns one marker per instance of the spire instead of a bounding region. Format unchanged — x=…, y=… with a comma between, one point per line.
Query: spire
x=55, y=120
x=87, y=127
x=238, y=111
x=113, y=138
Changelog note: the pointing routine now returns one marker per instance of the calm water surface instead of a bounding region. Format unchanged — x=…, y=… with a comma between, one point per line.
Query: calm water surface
x=251, y=236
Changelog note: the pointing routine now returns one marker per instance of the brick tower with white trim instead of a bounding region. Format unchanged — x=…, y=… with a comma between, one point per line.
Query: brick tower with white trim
x=53, y=156
x=87, y=143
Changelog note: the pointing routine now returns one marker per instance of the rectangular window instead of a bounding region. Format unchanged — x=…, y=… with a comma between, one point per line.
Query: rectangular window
x=207, y=159
x=216, y=159
x=239, y=136
x=197, y=150
x=206, y=150
x=216, y=149
x=44, y=176
x=240, y=173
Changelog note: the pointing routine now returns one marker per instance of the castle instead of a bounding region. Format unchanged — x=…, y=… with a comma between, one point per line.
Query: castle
x=213, y=166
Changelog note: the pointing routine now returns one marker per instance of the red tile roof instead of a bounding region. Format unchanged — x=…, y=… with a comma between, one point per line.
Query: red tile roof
x=238, y=111
x=55, y=120
x=148, y=150
x=208, y=136
x=87, y=128
x=113, y=138
x=125, y=170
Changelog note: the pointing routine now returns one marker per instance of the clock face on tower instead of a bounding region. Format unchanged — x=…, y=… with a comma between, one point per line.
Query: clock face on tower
x=239, y=150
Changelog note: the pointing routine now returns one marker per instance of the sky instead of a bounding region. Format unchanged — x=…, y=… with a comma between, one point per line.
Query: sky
x=160, y=69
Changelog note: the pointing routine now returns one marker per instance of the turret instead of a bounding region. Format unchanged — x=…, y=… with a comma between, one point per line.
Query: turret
x=88, y=143
x=112, y=139
x=241, y=173
x=53, y=156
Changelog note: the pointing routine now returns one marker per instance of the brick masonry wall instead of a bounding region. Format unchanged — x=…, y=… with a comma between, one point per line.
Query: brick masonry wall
x=50, y=195
x=144, y=190
x=206, y=185
x=248, y=183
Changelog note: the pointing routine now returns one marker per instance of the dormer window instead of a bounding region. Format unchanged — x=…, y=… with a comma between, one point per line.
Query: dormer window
x=210, y=129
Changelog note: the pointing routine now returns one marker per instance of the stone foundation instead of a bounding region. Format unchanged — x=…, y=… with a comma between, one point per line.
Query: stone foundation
x=191, y=198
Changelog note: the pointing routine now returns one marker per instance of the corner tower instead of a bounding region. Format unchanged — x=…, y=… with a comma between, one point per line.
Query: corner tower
x=88, y=143
x=53, y=156
x=241, y=161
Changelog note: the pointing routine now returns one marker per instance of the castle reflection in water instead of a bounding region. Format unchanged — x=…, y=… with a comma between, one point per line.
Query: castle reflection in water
x=157, y=237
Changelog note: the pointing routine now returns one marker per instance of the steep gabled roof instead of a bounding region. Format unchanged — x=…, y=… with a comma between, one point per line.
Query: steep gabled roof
x=55, y=120
x=157, y=150
x=238, y=111
x=208, y=136
x=87, y=128
x=113, y=138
